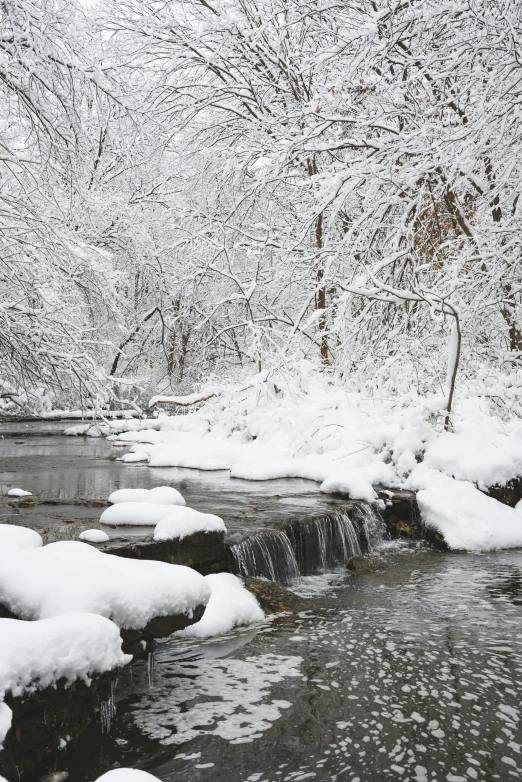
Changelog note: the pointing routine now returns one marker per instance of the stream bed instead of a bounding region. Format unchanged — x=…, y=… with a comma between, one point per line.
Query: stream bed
x=410, y=670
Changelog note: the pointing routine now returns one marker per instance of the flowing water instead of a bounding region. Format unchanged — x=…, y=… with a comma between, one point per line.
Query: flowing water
x=411, y=671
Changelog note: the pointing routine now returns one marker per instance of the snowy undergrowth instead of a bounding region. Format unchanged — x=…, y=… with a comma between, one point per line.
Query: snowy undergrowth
x=306, y=425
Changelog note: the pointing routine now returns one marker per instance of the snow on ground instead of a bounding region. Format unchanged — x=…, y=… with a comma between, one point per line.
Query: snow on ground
x=94, y=536
x=19, y=493
x=126, y=775
x=101, y=427
x=34, y=655
x=180, y=522
x=70, y=576
x=306, y=425
x=230, y=605
x=160, y=495
x=467, y=518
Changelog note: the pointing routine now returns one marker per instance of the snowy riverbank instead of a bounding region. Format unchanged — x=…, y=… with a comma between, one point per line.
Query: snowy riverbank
x=308, y=427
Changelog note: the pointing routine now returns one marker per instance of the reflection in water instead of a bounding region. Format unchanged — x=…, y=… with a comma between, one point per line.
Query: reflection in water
x=230, y=698
x=413, y=673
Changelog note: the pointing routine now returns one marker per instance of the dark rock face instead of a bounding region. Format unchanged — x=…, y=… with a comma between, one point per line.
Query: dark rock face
x=44, y=720
x=273, y=597
x=509, y=494
x=403, y=520
x=203, y=551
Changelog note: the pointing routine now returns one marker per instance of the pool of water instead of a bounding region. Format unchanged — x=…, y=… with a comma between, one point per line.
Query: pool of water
x=64, y=472
x=413, y=672
x=410, y=672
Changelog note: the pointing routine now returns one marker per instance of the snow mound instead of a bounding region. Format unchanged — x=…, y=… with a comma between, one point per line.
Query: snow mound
x=71, y=576
x=12, y=535
x=230, y=605
x=486, y=458
x=94, y=536
x=180, y=522
x=160, y=495
x=140, y=514
x=126, y=775
x=19, y=493
x=34, y=655
x=467, y=518
x=352, y=483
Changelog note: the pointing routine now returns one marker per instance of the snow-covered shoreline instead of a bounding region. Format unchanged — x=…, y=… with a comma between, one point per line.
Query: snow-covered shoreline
x=350, y=444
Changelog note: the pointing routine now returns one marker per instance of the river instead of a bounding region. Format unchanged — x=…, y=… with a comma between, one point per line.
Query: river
x=410, y=671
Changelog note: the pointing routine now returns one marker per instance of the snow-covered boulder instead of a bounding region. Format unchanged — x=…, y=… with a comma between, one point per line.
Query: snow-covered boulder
x=230, y=605
x=19, y=493
x=126, y=775
x=93, y=536
x=72, y=576
x=467, y=518
x=133, y=514
x=36, y=655
x=160, y=495
x=180, y=522
x=23, y=537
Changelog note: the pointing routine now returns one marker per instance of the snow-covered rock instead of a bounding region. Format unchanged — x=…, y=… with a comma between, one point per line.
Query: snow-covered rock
x=467, y=518
x=12, y=535
x=180, y=522
x=19, y=493
x=140, y=514
x=160, y=495
x=72, y=576
x=126, y=775
x=35, y=655
x=94, y=536
x=230, y=605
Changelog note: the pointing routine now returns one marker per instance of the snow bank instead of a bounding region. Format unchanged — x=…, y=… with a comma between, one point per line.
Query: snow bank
x=94, y=536
x=467, y=518
x=19, y=493
x=71, y=576
x=12, y=535
x=126, y=775
x=230, y=605
x=100, y=427
x=306, y=424
x=180, y=522
x=160, y=495
x=134, y=514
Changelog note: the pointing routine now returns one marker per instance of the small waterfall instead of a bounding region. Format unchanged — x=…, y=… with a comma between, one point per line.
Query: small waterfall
x=267, y=555
x=326, y=543
x=308, y=548
x=372, y=527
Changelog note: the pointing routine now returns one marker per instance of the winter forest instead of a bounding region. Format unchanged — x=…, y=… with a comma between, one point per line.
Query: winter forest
x=198, y=191
x=260, y=390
